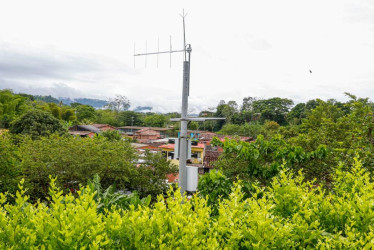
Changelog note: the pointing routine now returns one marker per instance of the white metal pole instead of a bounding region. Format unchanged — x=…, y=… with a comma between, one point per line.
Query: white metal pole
x=183, y=129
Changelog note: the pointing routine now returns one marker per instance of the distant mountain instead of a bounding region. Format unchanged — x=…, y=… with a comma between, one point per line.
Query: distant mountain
x=47, y=98
x=143, y=109
x=96, y=103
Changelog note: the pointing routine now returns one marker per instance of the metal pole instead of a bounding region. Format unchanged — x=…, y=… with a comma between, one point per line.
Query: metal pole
x=183, y=134
x=132, y=122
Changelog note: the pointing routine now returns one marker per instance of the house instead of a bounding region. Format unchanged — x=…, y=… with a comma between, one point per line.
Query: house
x=141, y=148
x=206, y=113
x=210, y=157
x=90, y=130
x=131, y=130
x=197, y=152
x=104, y=127
x=84, y=130
x=147, y=135
x=211, y=153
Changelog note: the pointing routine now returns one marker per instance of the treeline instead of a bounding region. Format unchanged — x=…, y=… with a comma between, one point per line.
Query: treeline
x=252, y=117
x=255, y=116
x=116, y=113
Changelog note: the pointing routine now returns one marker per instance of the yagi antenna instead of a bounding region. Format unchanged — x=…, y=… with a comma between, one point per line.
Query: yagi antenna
x=157, y=53
x=170, y=51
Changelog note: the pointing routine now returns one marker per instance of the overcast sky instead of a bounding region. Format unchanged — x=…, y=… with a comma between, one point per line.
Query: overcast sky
x=239, y=48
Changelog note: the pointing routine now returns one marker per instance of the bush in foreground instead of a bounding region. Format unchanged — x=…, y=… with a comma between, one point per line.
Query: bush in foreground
x=290, y=214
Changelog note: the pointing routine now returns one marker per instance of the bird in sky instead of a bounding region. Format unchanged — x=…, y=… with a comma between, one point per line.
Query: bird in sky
x=310, y=71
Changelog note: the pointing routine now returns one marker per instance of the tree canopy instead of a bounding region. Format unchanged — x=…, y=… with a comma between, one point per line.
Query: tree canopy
x=36, y=123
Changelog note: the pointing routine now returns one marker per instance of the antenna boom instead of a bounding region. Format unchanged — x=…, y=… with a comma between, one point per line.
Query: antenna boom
x=161, y=52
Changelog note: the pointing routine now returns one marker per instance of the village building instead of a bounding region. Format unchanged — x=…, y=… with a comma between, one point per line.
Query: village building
x=131, y=130
x=141, y=148
x=147, y=135
x=84, y=130
x=104, y=127
x=89, y=130
x=197, y=152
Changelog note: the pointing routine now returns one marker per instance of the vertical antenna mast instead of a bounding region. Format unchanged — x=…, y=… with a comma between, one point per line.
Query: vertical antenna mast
x=184, y=35
x=185, y=93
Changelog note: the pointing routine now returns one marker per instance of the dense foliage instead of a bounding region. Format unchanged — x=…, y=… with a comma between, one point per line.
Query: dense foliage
x=9, y=164
x=290, y=213
x=110, y=198
x=11, y=106
x=330, y=133
x=214, y=187
x=36, y=123
x=261, y=160
x=74, y=161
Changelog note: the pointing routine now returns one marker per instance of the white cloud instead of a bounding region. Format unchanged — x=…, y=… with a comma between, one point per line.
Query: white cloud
x=246, y=48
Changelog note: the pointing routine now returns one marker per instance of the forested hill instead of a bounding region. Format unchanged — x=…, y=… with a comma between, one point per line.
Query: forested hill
x=96, y=103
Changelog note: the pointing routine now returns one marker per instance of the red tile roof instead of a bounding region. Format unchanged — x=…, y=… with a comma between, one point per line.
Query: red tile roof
x=171, y=146
x=147, y=131
x=167, y=146
x=104, y=126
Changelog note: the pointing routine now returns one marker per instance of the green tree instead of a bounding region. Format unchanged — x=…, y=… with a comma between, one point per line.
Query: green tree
x=261, y=160
x=130, y=118
x=301, y=110
x=36, y=123
x=297, y=113
x=10, y=172
x=345, y=133
x=247, y=104
x=85, y=112
x=273, y=109
x=112, y=135
x=68, y=114
x=119, y=103
x=107, y=117
x=11, y=107
x=74, y=161
x=149, y=179
x=193, y=125
x=229, y=110
x=155, y=120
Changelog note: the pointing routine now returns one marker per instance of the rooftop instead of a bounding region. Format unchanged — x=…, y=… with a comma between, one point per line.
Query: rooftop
x=171, y=146
x=137, y=127
x=84, y=127
x=99, y=126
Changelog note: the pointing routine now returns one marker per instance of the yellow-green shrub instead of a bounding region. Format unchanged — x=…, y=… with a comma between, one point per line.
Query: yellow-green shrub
x=291, y=213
